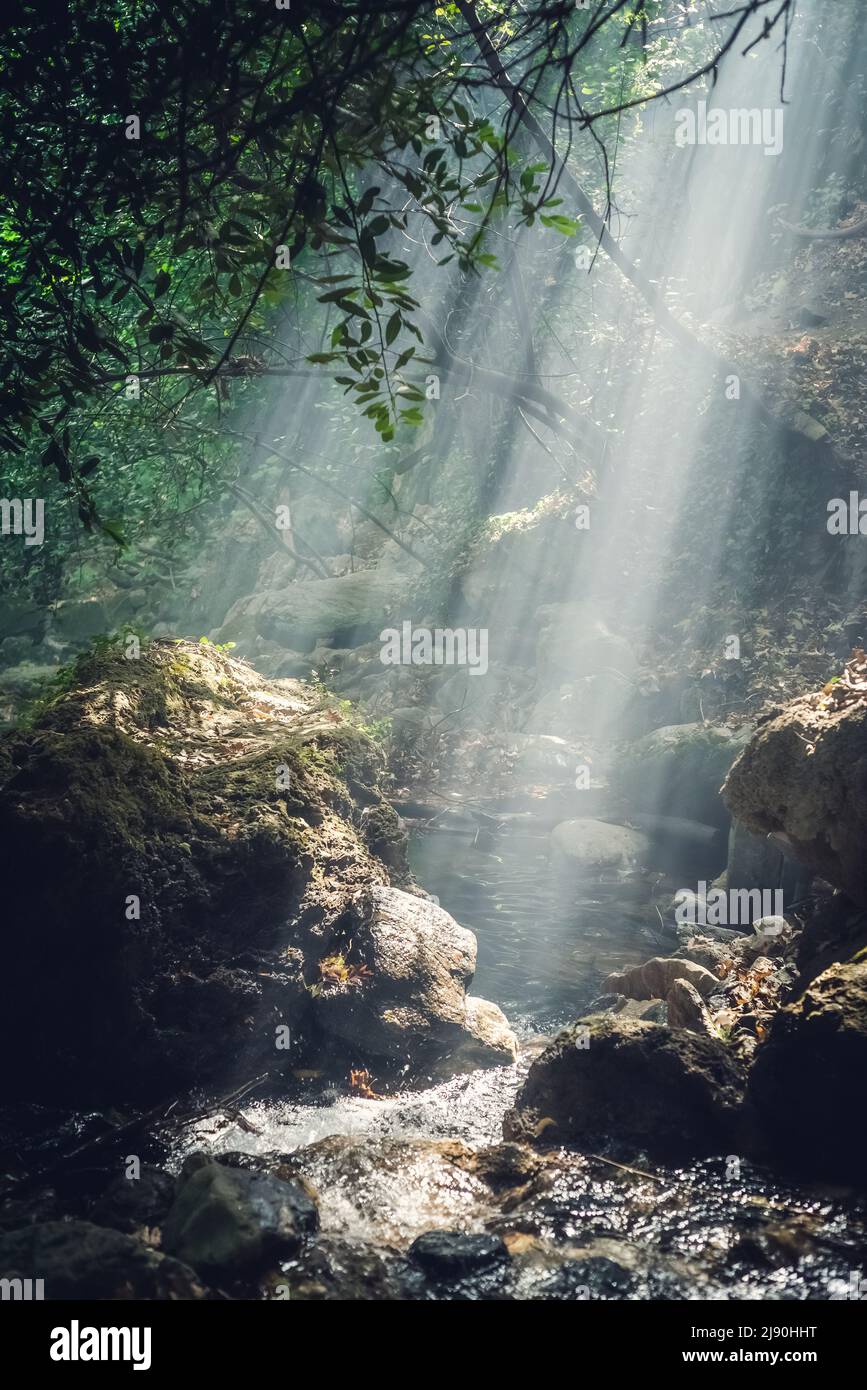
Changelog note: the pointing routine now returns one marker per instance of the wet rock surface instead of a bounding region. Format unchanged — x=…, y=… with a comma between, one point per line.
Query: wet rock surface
x=77, y=1259
x=670, y=1093
x=227, y=1221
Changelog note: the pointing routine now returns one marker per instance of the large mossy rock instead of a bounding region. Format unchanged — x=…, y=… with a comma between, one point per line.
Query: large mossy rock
x=670, y=1093
x=175, y=835
x=808, y=1082
x=678, y=770
x=804, y=776
x=400, y=992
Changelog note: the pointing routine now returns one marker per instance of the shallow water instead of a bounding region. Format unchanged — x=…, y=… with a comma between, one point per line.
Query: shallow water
x=545, y=941
x=704, y=1232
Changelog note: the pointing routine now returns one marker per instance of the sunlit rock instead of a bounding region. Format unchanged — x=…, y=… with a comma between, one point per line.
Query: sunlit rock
x=349, y=609
x=176, y=833
x=803, y=776
x=654, y=979
x=408, y=965
x=594, y=844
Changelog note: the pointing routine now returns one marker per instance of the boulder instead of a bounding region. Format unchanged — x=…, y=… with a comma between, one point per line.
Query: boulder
x=401, y=991
x=803, y=777
x=78, y=1260
x=586, y=844
x=176, y=835
x=808, y=1082
x=347, y=610
x=450, y=1255
x=669, y=1092
x=226, y=1221
x=679, y=770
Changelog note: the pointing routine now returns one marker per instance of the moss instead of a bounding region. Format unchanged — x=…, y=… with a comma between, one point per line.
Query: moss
x=235, y=811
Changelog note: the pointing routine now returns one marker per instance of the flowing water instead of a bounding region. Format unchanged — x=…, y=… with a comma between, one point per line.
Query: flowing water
x=705, y=1231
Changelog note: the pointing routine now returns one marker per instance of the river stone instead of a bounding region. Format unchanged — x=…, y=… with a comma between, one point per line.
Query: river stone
x=809, y=1078
x=654, y=979
x=79, y=1260
x=411, y=1002
x=671, y=1093
x=227, y=1219
x=594, y=844
x=679, y=770
x=687, y=1009
x=455, y=1254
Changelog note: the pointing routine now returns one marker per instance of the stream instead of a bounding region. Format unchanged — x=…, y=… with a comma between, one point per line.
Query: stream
x=721, y=1228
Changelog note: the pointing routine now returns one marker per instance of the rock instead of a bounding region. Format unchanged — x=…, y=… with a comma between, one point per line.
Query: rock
x=652, y=1009
x=672, y=1093
x=407, y=997
x=491, y=1041
x=348, y=609
x=595, y=1276
x=594, y=844
x=808, y=1083
x=204, y=829
x=687, y=1009
x=654, y=979
x=679, y=770
x=447, y=1255
x=128, y=1204
x=78, y=1260
x=804, y=776
x=227, y=1220
x=340, y=1270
